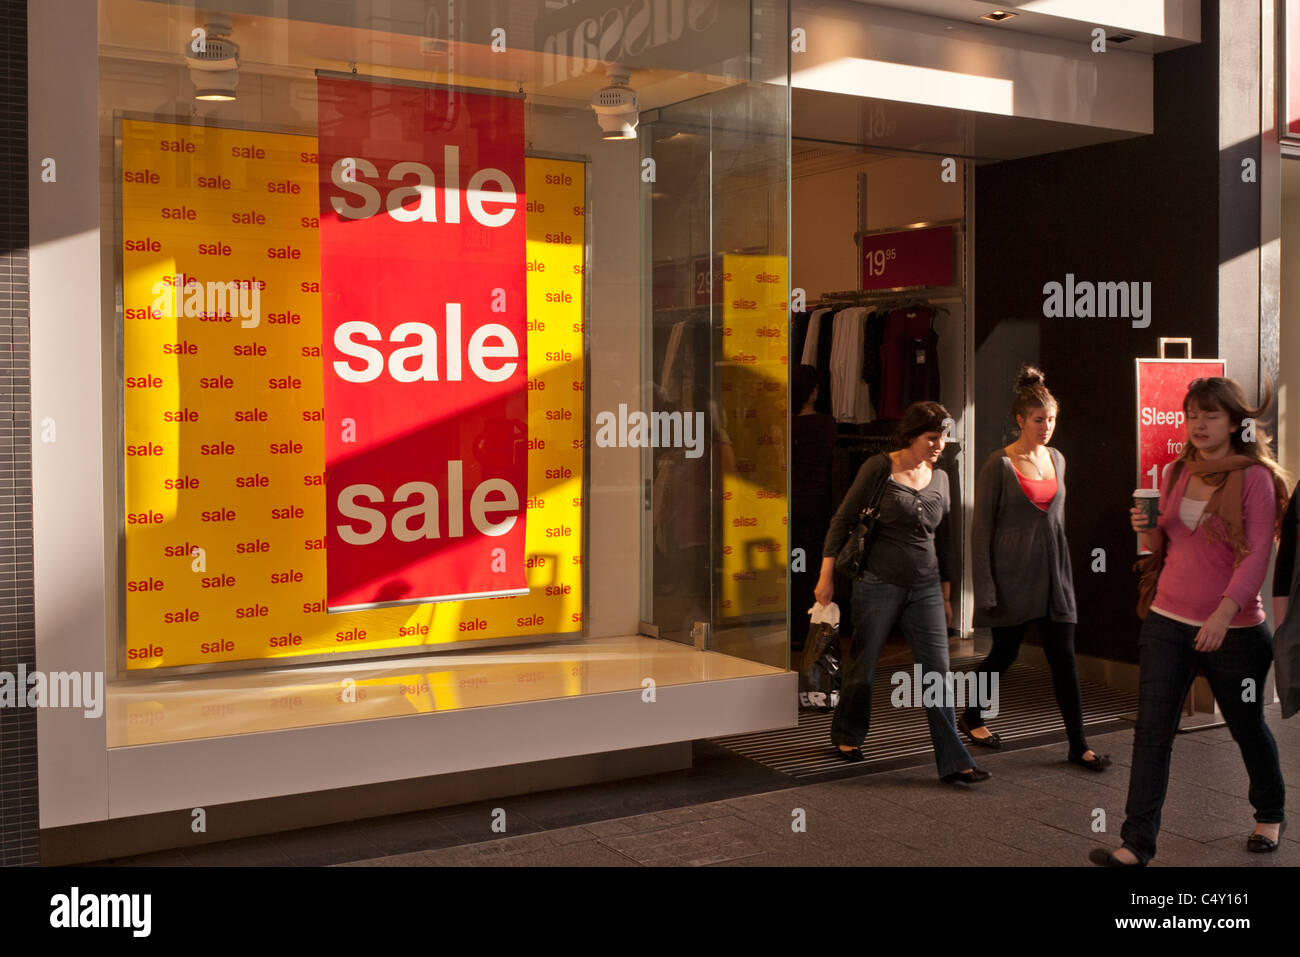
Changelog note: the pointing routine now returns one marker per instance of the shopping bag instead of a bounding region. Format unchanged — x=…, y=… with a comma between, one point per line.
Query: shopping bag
x=819, y=672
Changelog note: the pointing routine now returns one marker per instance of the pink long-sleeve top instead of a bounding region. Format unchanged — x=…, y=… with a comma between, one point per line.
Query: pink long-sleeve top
x=1198, y=573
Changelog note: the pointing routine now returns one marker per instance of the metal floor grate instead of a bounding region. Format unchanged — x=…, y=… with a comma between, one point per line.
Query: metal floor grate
x=1028, y=710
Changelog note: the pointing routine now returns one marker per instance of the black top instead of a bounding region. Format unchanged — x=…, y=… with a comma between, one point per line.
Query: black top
x=1286, y=545
x=798, y=333
x=825, y=335
x=912, y=546
x=812, y=446
x=921, y=367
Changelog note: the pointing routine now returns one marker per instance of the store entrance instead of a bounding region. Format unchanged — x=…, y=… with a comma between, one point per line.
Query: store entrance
x=879, y=250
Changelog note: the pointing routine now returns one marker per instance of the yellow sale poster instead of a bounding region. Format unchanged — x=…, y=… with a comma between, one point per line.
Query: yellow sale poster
x=753, y=383
x=223, y=456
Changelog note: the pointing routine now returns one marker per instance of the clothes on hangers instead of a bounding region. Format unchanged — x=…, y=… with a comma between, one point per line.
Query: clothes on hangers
x=687, y=342
x=671, y=352
x=873, y=361
x=850, y=398
x=808, y=355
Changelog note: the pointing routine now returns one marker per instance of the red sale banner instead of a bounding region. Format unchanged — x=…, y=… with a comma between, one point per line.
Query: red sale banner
x=424, y=334
x=1161, y=425
x=908, y=257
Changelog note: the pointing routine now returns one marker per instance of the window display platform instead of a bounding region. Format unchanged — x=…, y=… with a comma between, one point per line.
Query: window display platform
x=179, y=709
x=183, y=743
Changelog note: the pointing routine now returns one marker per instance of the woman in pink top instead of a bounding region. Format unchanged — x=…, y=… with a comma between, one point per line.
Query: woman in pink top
x=1219, y=510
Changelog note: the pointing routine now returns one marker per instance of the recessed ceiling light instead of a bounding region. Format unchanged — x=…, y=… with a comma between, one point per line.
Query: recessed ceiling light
x=997, y=16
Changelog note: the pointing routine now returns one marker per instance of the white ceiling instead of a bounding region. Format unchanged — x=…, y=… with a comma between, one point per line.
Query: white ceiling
x=1077, y=29
x=155, y=31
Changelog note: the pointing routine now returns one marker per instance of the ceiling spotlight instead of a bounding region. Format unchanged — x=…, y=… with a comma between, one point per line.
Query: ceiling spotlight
x=997, y=16
x=213, y=59
x=616, y=106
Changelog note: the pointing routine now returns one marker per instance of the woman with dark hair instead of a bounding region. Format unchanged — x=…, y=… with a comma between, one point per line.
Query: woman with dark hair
x=1021, y=563
x=812, y=446
x=1219, y=508
x=906, y=582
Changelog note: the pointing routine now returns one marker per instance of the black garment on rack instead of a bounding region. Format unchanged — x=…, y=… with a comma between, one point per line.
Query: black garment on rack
x=873, y=338
x=824, y=336
x=798, y=335
x=920, y=366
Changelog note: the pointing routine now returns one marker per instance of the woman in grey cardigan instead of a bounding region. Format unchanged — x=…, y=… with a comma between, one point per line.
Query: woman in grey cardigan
x=1021, y=562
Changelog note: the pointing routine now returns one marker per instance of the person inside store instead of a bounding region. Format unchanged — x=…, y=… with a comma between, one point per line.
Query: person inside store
x=812, y=448
x=1218, y=513
x=1020, y=564
x=906, y=582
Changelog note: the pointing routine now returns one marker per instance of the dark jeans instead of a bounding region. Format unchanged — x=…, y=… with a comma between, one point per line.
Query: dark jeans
x=1168, y=663
x=1058, y=645
x=877, y=607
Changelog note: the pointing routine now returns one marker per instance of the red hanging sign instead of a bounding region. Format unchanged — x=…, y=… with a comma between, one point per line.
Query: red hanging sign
x=424, y=336
x=908, y=257
x=1161, y=425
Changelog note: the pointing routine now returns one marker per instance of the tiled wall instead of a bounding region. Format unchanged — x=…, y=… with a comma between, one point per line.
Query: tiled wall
x=19, y=821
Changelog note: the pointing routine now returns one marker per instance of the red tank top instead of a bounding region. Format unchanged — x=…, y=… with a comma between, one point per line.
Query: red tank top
x=1039, y=491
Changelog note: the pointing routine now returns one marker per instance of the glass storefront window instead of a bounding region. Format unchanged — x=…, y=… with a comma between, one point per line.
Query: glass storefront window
x=386, y=298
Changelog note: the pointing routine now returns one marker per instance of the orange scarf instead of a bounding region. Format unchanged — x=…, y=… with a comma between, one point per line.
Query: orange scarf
x=1227, y=476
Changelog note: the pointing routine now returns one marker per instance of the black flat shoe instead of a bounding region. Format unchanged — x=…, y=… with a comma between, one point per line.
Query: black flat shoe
x=1099, y=762
x=993, y=741
x=973, y=776
x=854, y=755
x=1104, y=858
x=1259, y=844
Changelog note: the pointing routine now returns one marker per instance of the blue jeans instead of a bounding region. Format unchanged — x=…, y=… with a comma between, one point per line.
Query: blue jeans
x=1167, y=664
x=877, y=607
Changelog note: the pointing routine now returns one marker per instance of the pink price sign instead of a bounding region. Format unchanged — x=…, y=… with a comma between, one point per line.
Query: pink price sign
x=908, y=257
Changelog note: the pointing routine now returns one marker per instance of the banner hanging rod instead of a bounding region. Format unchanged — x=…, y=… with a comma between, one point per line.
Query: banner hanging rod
x=417, y=84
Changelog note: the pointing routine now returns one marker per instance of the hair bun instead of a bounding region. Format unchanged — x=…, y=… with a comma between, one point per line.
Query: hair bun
x=1029, y=377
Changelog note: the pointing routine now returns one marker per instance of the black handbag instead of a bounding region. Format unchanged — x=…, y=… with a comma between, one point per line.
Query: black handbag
x=851, y=562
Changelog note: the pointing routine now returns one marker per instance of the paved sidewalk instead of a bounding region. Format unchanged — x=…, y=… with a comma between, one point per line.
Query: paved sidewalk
x=1037, y=810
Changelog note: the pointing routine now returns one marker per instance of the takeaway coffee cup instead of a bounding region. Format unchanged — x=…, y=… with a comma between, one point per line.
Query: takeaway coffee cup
x=1147, y=499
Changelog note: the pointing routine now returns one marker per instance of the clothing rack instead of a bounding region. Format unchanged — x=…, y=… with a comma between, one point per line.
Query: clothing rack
x=918, y=293
x=874, y=366
x=865, y=296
